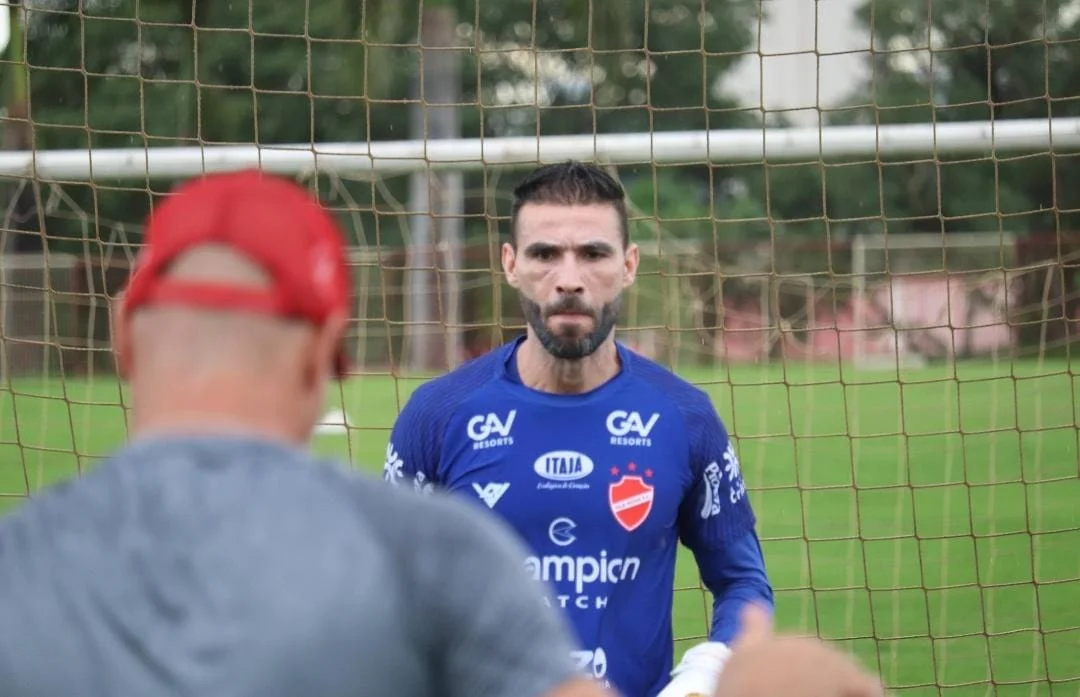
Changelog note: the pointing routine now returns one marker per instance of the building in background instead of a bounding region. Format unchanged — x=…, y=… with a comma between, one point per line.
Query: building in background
x=811, y=54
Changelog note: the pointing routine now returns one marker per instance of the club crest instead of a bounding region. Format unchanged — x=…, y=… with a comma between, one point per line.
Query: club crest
x=630, y=497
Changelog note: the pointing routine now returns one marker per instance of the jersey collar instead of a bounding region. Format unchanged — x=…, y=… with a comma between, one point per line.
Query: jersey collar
x=508, y=371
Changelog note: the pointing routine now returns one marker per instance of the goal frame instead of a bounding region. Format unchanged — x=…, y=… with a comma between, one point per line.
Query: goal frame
x=734, y=146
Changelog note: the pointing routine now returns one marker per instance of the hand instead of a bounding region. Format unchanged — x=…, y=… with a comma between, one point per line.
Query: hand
x=766, y=665
x=698, y=672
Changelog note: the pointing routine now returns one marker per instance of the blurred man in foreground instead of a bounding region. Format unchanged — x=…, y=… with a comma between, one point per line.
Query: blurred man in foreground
x=211, y=555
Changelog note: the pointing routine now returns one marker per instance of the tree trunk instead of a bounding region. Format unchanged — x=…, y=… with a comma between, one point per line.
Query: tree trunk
x=433, y=332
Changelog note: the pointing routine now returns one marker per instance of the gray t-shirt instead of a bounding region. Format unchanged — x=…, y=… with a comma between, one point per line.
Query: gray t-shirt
x=232, y=567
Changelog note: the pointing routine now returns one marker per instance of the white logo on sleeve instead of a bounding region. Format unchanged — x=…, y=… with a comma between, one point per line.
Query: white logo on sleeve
x=736, y=485
x=711, y=479
x=563, y=469
x=629, y=428
x=491, y=430
x=491, y=492
x=393, y=466
x=421, y=484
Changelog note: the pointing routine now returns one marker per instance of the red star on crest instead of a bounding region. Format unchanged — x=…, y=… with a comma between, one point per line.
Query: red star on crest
x=614, y=471
x=632, y=467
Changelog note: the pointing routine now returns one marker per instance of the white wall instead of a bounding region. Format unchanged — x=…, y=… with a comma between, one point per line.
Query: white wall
x=787, y=73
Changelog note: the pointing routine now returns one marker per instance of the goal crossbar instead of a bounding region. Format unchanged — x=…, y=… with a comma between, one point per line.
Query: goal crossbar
x=732, y=146
x=933, y=240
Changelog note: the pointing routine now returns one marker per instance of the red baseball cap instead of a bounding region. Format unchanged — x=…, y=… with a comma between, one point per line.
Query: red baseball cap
x=271, y=220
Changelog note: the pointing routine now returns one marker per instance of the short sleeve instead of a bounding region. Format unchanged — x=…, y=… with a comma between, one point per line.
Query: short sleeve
x=716, y=509
x=499, y=635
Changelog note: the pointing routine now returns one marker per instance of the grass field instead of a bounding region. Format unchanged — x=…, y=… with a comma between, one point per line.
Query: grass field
x=930, y=520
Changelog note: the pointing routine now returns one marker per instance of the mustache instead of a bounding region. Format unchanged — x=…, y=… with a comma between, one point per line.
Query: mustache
x=570, y=304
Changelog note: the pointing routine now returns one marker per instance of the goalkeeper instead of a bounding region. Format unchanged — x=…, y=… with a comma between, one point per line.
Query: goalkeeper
x=600, y=459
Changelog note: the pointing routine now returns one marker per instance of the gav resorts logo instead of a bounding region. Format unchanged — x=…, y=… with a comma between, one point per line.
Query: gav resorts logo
x=491, y=430
x=628, y=428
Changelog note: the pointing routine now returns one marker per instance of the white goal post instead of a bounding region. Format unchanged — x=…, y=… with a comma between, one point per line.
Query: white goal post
x=663, y=148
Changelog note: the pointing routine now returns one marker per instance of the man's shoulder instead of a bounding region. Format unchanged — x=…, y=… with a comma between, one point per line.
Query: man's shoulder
x=456, y=386
x=671, y=389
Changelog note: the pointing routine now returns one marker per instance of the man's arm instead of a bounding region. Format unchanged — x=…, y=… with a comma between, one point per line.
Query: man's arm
x=716, y=522
x=498, y=636
x=414, y=448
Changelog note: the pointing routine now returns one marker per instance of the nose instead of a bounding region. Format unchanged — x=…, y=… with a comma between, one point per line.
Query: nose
x=568, y=281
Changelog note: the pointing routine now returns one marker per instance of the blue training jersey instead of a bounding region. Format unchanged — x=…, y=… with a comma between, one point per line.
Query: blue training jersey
x=602, y=487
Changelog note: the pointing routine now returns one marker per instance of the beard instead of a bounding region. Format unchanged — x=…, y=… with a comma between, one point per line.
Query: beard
x=570, y=342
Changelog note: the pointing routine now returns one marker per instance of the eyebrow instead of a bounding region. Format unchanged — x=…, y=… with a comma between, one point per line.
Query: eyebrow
x=598, y=247
x=537, y=248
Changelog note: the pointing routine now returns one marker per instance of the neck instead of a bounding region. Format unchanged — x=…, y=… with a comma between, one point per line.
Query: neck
x=541, y=371
x=222, y=410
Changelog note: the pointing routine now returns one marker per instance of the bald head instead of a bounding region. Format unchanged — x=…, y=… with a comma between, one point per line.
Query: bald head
x=200, y=341
x=261, y=370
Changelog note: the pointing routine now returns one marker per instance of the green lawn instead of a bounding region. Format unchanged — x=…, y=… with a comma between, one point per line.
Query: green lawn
x=929, y=520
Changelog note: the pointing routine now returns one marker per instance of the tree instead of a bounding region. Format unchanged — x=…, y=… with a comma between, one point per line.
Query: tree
x=965, y=61
x=158, y=73
x=959, y=61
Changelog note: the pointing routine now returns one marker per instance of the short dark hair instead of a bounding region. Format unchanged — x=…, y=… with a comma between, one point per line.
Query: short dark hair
x=570, y=183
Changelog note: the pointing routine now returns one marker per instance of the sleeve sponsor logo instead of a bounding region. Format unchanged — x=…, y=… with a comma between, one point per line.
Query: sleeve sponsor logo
x=393, y=466
x=711, y=479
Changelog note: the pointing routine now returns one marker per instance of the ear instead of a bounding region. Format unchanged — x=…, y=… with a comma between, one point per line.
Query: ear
x=120, y=330
x=509, y=264
x=326, y=346
x=630, y=265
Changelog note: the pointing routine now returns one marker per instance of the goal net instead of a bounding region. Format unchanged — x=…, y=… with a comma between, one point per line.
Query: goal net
x=859, y=230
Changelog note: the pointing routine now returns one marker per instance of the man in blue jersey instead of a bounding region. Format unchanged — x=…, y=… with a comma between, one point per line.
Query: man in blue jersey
x=602, y=460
